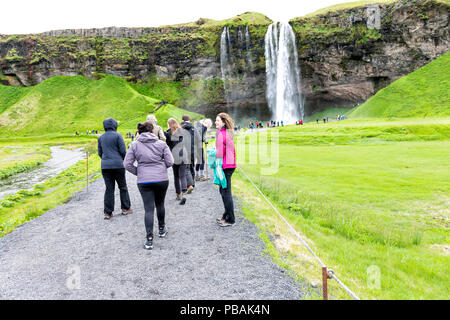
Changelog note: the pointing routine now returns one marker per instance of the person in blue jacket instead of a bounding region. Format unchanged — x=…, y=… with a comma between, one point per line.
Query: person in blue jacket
x=112, y=151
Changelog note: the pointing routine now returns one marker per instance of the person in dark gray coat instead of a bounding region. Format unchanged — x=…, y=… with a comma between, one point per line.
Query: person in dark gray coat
x=112, y=151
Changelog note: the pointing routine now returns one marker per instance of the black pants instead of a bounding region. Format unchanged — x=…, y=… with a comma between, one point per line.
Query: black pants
x=201, y=165
x=153, y=194
x=227, y=197
x=179, y=177
x=110, y=176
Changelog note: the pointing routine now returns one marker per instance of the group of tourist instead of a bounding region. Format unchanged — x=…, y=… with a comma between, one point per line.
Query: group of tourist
x=270, y=124
x=150, y=155
x=87, y=132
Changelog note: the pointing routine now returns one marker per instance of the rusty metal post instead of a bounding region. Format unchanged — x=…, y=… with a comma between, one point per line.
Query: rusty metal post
x=87, y=171
x=324, y=283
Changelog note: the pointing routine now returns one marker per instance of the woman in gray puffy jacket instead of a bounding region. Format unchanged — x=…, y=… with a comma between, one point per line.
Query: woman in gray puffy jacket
x=153, y=157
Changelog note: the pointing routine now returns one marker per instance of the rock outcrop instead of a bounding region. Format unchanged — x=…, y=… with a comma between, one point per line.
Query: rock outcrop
x=344, y=56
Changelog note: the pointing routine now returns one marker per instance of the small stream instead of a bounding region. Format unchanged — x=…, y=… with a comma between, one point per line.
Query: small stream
x=61, y=160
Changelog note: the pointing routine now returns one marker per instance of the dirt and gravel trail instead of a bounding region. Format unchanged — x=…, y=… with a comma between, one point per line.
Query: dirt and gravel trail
x=71, y=252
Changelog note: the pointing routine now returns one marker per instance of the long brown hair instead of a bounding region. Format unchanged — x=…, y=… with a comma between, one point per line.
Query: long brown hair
x=229, y=124
x=173, y=125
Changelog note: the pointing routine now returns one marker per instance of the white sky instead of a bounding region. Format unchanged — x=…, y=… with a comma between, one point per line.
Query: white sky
x=34, y=16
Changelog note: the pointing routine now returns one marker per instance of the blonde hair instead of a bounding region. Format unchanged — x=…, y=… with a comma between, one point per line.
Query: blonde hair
x=173, y=125
x=151, y=118
x=207, y=123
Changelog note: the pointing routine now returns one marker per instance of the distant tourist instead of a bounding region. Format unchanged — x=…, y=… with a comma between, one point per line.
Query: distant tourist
x=317, y=121
x=112, y=150
x=226, y=151
x=153, y=158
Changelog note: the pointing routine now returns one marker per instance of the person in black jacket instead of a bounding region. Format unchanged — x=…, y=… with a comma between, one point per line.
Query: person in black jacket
x=190, y=172
x=112, y=151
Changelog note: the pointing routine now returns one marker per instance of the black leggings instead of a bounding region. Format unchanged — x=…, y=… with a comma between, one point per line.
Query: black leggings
x=201, y=166
x=227, y=197
x=153, y=194
x=179, y=177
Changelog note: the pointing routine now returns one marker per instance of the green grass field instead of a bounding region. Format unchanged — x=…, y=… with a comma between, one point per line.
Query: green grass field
x=366, y=193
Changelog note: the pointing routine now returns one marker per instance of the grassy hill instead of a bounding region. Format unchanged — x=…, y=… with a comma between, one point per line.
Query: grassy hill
x=422, y=93
x=253, y=18
x=355, y=4
x=65, y=104
x=10, y=95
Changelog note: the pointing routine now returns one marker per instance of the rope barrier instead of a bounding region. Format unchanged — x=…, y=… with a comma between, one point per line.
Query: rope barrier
x=330, y=273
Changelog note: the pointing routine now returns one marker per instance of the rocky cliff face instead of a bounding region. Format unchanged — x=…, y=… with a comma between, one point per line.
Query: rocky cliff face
x=344, y=56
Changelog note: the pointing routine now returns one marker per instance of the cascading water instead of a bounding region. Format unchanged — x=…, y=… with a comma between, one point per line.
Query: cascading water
x=231, y=77
x=247, y=48
x=283, y=86
x=225, y=63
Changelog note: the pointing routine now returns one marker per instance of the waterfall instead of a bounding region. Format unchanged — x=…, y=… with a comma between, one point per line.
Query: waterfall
x=247, y=48
x=240, y=37
x=283, y=86
x=225, y=63
x=229, y=68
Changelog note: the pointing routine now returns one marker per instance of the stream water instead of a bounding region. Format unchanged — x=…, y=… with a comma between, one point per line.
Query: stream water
x=61, y=160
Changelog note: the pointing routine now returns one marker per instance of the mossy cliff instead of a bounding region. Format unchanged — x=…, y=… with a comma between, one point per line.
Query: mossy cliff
x=345, y=55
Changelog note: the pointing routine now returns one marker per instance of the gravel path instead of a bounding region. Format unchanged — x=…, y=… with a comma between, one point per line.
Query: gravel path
x=70, y=252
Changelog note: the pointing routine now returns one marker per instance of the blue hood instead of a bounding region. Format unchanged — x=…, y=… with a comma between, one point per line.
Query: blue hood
x=110, y=124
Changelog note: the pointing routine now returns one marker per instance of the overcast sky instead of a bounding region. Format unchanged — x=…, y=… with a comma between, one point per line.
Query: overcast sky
x=26, y=16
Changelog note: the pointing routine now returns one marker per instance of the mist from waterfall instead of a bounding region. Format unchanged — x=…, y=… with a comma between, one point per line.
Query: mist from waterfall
x=283, y=86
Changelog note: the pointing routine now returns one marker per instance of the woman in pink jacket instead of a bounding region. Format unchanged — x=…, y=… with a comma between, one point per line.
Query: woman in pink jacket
x=226, y=151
